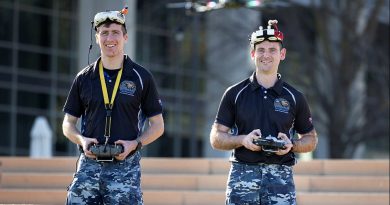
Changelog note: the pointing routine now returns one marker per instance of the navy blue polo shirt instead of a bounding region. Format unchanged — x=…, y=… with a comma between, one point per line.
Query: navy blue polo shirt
x=247, y=106
x=136, y=99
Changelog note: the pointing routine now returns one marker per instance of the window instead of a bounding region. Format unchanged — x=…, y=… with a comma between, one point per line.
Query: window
x=37, y=3
x=66, y=38
x=5, y=97
x=4, y=127
x=33, y=100
x=35, y=29
x=6, y=24
x=68, y=5
x=34, y=61
x=24, y=125
x=169, y=47
x=5, y=56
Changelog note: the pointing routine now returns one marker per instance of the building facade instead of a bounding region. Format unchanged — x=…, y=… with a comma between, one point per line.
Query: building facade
x=45, y=43
x=38, y=58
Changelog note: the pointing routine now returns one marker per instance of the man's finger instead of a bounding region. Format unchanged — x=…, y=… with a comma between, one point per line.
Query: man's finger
x=257, y=132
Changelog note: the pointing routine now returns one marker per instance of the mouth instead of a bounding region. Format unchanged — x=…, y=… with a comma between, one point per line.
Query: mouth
x=110, y=45
x=265, y=62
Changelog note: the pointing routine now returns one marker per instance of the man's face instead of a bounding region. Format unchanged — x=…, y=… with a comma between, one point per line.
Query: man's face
x=111, y=40
x=267, y=56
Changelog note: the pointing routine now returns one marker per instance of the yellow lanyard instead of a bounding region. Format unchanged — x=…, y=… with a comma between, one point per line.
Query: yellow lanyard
x=108, y=104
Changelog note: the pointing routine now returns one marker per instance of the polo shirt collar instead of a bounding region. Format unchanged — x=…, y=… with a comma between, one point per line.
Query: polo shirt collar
x=127, y=64
x=278, y=87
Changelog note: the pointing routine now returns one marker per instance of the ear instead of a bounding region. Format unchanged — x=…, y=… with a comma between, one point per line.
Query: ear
x=126, y=37
x=252, y=54
x=97, y=38
x=283, y=53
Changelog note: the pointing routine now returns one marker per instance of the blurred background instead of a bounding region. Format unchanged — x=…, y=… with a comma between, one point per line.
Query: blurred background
x=337, y=55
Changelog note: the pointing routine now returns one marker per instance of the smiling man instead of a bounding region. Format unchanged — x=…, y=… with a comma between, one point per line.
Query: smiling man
x=263, y=106
x=113, y=97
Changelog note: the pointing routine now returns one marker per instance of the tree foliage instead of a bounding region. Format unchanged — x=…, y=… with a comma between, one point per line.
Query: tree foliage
x=343, y=47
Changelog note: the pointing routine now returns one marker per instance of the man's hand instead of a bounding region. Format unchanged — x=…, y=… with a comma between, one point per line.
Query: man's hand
x=128, y=146
x=288, y=144
x=247, y=141
x=86, y=143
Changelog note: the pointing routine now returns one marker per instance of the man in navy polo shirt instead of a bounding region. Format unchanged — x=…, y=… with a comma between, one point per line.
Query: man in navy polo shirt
x=262, y=106
x=113, y=97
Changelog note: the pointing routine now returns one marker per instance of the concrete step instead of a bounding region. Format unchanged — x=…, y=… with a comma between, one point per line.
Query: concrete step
x=182, y=181
x=161, y=197
x=337, y=198
x=194, y=182
x=26, y=164
x=358, y=184
x=68, y=164
x=201, y=166
x=32, y=196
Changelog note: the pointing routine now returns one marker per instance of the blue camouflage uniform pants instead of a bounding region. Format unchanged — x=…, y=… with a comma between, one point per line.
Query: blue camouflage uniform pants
x=115, y=182
x=262, y=184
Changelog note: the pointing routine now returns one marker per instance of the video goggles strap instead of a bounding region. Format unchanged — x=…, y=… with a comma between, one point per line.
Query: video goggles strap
x=108, y=104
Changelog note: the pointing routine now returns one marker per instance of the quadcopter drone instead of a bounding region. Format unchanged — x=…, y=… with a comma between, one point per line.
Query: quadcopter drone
x=210, y=5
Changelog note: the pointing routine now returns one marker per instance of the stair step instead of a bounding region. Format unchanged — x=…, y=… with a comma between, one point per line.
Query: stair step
x=26, y=164
x=199, y=181
x=175, y=165
x=342, y=198
x=356, y=167
x=367, y=184
x=159, y=197
x=32, y=196
x=36, y=180
x=184, y=182
x=200, y=166
x=205, y=182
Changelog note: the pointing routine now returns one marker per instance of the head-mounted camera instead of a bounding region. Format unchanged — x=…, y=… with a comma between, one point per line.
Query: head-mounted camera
x=115, y=16
x=271, y=33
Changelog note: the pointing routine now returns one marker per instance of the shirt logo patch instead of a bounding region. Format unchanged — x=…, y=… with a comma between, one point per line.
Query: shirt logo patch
x=127, y=87
x=281, y=105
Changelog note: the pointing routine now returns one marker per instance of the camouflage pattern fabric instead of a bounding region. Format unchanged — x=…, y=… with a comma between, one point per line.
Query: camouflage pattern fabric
x=115, y=182
x=262, y=184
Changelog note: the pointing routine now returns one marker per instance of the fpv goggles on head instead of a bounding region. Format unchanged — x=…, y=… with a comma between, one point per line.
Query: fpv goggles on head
x=270, y=34
x=116, y=16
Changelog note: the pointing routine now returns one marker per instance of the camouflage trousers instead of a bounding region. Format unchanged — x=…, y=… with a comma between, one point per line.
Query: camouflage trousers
x=262, y=184
x=115, y=182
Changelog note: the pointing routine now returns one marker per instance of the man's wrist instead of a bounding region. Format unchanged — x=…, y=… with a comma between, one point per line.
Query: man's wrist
x=294, y=142
x=139, y=143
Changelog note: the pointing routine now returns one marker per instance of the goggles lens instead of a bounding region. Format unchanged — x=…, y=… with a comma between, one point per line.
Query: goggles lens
x=271, y=33
x=108, y=15
x=260, y=37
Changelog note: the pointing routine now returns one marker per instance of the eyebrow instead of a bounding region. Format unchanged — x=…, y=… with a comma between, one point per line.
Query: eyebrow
x=262, y=48
x=115, y=30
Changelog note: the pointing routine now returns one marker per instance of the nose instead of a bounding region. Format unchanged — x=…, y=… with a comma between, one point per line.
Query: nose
x=110, y=36
x=266, y=54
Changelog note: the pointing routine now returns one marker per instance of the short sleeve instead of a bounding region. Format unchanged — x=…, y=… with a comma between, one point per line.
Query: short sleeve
x=226, y=111
x=303, y=121
x=151, y=103
x=73, y=104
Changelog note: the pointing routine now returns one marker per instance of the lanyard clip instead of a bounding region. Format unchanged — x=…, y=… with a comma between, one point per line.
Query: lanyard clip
x=108, y=109
x=108, y=112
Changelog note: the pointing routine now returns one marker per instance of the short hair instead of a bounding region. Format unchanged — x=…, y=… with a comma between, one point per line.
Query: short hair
x=254, y=45
x=109, y=22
